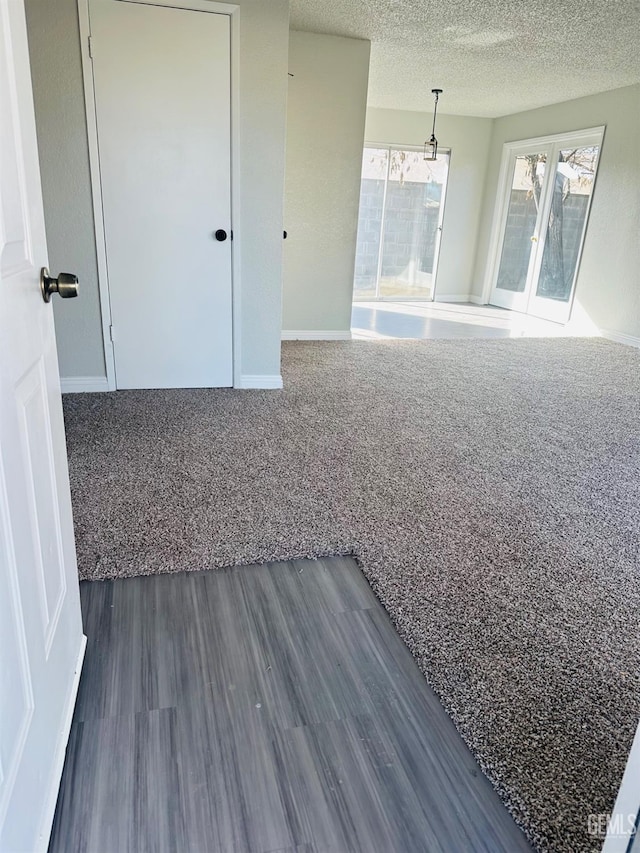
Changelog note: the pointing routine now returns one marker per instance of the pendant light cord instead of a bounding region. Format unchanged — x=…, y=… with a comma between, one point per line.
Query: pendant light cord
x=435, y=110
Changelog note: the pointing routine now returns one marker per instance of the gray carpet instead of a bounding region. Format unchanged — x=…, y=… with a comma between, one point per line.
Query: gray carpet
x=491, y=492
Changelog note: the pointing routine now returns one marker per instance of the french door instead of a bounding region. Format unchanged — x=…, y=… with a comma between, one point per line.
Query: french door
x=545, y=194
x=400, y=223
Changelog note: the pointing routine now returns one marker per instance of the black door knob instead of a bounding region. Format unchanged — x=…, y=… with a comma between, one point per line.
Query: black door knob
x=221, y=235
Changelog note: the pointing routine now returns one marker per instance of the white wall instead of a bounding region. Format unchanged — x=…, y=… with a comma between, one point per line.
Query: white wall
x=264, y=50
x=469, y=139
x=325, y=135
x=62, y=137
x=608, y=285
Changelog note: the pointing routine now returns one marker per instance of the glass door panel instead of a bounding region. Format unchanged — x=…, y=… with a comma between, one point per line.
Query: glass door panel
x=520, y=230
x=399, y=224
x=411, y=225
x=574, y=177
x=375, y=168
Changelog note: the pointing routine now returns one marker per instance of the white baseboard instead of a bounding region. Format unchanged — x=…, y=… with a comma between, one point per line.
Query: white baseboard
x=477, y=300
x=313, y=335
x=83, y=384
x=452, y=297
x=260, y=381
x=49, y=809
x=620, y=338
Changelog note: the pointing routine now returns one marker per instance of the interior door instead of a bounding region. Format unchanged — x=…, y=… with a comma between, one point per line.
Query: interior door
x=163, y=107
x=41, y=641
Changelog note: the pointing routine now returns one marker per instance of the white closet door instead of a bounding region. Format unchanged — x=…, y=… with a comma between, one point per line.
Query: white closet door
x=163, y=104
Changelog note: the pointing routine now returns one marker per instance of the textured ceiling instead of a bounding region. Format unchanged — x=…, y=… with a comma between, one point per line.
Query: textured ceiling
x=491, y=57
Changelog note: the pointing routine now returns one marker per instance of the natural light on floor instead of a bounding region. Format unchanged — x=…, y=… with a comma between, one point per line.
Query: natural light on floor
x=374, y=320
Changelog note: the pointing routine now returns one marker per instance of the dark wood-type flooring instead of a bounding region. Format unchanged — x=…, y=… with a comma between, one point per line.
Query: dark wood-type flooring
x=263, y=708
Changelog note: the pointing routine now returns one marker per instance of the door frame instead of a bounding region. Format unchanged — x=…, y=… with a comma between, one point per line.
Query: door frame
x=624, y=821
x=436, y=259
x=232, y=10
x=501, y=207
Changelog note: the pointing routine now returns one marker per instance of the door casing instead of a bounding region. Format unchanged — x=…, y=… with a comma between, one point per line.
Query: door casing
x=624, y=822
x=509, y=151
x=233, y=12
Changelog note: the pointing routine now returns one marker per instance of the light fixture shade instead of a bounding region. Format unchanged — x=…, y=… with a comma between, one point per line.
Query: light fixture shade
x=431, y=148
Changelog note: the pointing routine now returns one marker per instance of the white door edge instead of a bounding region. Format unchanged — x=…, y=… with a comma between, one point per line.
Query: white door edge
x=233, y=12
x=49, y=809
x=626, y=810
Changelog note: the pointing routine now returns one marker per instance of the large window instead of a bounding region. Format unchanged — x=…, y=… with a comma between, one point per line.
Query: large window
x=400, y=222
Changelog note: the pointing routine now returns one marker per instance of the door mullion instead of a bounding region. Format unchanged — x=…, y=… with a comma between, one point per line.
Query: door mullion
x=504, y=215
x=382, y=220
x=436, y=253
x=542, y=223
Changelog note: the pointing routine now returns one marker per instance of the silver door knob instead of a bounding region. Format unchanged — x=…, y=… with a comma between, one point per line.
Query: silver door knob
x=66, y=285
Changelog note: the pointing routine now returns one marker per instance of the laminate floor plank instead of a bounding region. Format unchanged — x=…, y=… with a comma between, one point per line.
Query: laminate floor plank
x=263, y=709
x=333, y=582
x=228, y=780
x=156, y=828
x=95, y=809
x=132, y=628
x=301, y=666
x=437, y=766
x=338, y=776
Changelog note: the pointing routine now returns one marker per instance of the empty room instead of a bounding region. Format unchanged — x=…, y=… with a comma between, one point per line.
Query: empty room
x=319, y=443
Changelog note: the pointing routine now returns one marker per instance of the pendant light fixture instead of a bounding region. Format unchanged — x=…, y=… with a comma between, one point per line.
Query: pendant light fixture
x=431, y=145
